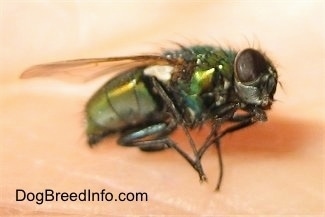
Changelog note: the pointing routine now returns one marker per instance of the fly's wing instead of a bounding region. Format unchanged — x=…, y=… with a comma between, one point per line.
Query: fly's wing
x=83, y=70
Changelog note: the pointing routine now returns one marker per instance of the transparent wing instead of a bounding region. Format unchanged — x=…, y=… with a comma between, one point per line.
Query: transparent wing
x=83, y=70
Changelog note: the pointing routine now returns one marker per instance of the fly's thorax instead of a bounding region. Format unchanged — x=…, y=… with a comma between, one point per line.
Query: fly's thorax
x=214, y=76
x=218, y=64
x=255, y=78
x=203, y=79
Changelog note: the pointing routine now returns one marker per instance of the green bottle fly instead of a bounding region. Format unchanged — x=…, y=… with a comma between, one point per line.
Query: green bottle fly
x=183, y=88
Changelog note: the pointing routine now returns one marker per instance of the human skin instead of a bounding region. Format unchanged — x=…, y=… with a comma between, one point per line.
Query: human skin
x=274, y=167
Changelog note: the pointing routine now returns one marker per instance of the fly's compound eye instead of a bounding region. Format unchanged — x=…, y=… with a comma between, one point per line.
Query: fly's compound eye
x=249, y=65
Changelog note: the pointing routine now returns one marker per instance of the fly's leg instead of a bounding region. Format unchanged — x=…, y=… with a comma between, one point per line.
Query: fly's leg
x=213, y=139
x=170, y=105
x=158, y=132
x=136, y=137
x=245, y=121
x=242, y=121
x=253, y=115
x=220, y=162
x=171, y=144
x=223, y=114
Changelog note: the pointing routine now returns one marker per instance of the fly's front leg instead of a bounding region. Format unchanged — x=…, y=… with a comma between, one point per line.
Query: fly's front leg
x=253, y=115
x=222, y=114
x=227, y=113
x=242, y=121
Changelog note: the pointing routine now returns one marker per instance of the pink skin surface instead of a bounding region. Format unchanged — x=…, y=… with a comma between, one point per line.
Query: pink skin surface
x=276, y=167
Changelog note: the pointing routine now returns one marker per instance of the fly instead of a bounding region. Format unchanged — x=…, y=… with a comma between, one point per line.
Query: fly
x=188, y=87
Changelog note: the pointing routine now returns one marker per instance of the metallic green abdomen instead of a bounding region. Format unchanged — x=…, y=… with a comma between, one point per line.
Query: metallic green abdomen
x=122, y=102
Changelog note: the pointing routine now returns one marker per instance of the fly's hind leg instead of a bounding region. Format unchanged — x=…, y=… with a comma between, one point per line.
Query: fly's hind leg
x=166, y=142
x=154, y=138
x=146, y=138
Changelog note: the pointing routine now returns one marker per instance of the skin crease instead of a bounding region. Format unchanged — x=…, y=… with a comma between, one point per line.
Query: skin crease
x=276, y=167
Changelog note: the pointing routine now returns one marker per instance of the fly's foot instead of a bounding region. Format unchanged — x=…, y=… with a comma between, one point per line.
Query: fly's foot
x=203, y=178
x=198, y=167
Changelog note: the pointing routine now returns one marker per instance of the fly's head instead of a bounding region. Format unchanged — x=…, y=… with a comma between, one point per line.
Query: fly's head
x=255, y=78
